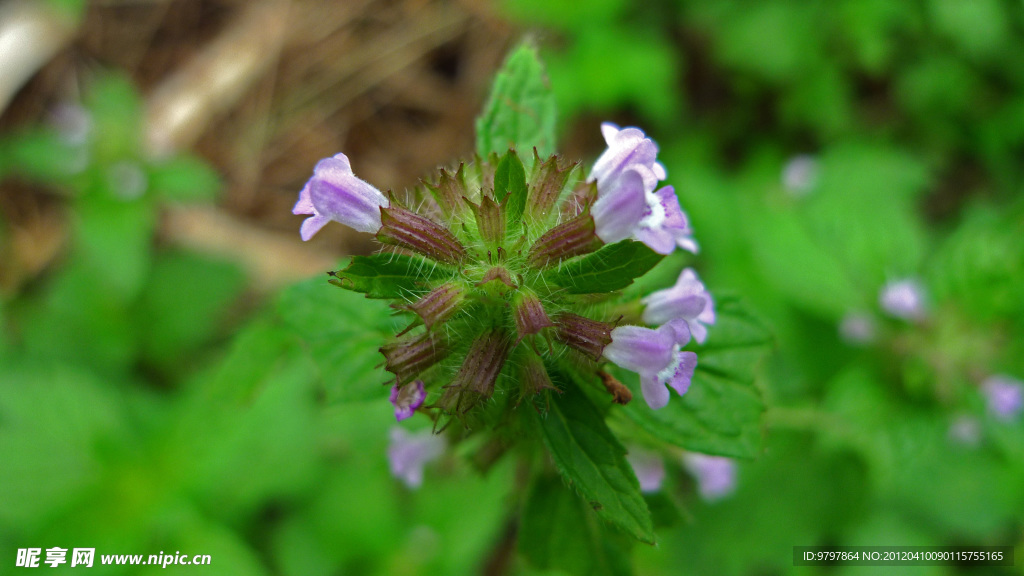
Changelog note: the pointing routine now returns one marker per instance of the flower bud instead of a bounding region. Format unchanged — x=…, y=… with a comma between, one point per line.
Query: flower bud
x=546, y=184
x=585, y=335
x=407, y=358
x=533, y=375
x=529, y=315
x=439, y=304
x=566, y=240
x=475, y=379
x=400, y=227
x=407, y=399
x=449, y=190
x=490, y=220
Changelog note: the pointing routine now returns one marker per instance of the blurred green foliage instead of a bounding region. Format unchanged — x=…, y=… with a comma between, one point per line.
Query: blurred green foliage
x=142, y=410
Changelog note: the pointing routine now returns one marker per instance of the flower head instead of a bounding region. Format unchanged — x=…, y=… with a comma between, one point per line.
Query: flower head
x=477, y=261
x=407, y=398
x=335, y=193
x=715, y=475
x=903, y=299
x=655, y=356
x=687, y=306
x=409, y=452
x=1005, y=396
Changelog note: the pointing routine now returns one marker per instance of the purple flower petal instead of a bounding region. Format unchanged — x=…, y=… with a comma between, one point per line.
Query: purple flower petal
x=682, y=371
x=685, y=304
x=335, y=193
x=715, y=475
x=641, y=349
x=655, y=356
x=665, y=226
x=407, y=398
x=628, y=148
x=903, y=299
x=617, y=213
x=655, y=393
x=408, y=453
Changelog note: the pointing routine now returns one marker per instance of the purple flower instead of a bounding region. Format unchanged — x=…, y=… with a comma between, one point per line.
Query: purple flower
x=334, y=193
x=800, y=175
x=903, y=299
x=627, y=205
x=407, y=398
x=687, y=307
x=655, y=356
x=629, y=150
x=618, y=210
x=409, y=452
x=857, y=328
x=1005, y=396
x=664, y=225
x=626, y=174
x=715, y=475
x=649, y=469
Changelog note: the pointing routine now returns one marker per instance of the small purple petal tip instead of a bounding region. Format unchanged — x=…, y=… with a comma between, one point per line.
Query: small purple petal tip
x=407, y=398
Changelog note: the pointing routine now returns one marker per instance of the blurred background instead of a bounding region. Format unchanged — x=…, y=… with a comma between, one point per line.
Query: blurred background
x=852, y=168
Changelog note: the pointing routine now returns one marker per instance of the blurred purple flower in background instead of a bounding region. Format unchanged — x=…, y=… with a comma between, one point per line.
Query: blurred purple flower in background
x=1005, y=396
x=858, y=328
x=649, y=468
x=800, y=175
x=903, y=299
x=715, y=475
x=409, y=452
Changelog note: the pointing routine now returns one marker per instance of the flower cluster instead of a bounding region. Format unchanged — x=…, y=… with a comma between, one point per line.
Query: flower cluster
x=487, y=282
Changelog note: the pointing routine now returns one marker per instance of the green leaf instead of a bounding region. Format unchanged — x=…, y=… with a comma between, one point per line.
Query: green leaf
x=77, y=320
x=184, y=179
x=557, y=531
x=115, y=240
x=591, y=460
x=185, y=298
x=794, y=262
x=520, y=111
x=510, y=184
x=116, y=110
x=57, y=424
x=611, y=268
x=40, y=155
x=390, y=276
x=721, y=413
x=342, y=333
